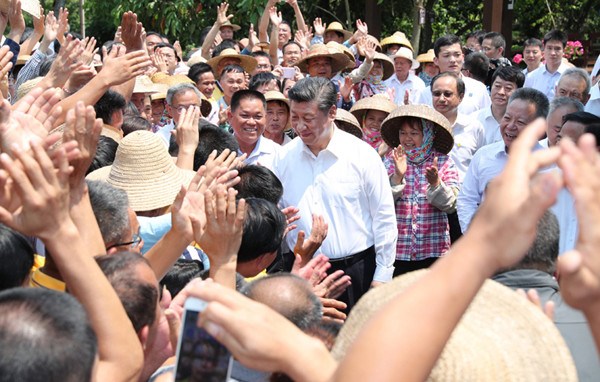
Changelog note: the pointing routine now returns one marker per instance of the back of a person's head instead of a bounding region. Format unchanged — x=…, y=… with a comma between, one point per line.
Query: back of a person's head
x=138, y=297
x=110, y=102
x=105, y=153
x=180, y=274
x=211, y=138
x=110, y=206
x=289, y=295
x=45, y=336
x=263, y=229
x=582, y=117
x=534, y=97
x=258, y=182
x=134, y=123
x=594, y=129
x=478, y=64
x=16, y=258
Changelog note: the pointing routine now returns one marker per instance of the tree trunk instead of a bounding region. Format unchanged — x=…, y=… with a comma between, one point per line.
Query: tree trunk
x=373, y=17
x=416, y=31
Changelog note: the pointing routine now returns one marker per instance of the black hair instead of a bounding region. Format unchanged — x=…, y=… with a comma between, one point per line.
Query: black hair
x=594, y=129
x=197, y=70
x=291, y=42
x=110, y=102
x=244, y=94
x=556, y=35
x=260, y=53
x=446, y=40
x=582, y=117
x=225, y=44
x=314, y=89
x=105, y=153
x=460, y=84
x=233, y=68
x=263, y=229
x=138, y=298
x=534, y=97
x=134, y=123
x=533, y=42
x=478, y=64
x=46, y=337
x=110, y=206
x=498, y=40
x=16, y=258
x=258, y=182
x=131, y=110
x=510, y=74
x=167, y=45
x=180, y=274
x=263, y=78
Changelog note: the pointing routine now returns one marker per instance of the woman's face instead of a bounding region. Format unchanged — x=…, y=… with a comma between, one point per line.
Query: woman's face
x=373, y=120
x=377, y=69
x=411, y=134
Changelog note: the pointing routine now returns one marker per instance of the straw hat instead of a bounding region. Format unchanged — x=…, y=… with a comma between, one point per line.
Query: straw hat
x=337, y=47
x=195, y=59
x=22, y=59
x=426, y=57
x=30, y=6
x=388, y=64
x=143, y=84
x=339, y=60
x=390, y=127
x=337, y=27
x=406, y=53
x=27, y=86
x=501, y=337
x=274, y=95
x=176, y=79
x=347, y=122
x=377, y=102
x=146, y=171
x=247, y=62
x=161, y=92
x=229, y=24
x=397, y=38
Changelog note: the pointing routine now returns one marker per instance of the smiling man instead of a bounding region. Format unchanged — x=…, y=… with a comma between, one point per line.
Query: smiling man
x=247, y=117
x=524, y=106
x=329, y=172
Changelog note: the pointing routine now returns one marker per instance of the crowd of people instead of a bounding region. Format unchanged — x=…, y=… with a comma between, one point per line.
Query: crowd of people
x=349, y=209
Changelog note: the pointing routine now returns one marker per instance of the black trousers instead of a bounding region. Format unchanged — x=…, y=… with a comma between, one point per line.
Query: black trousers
x=455, y=231
x=361, y=268
x=401, y=267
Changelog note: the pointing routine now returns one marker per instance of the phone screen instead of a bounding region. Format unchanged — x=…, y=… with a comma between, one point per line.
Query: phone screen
x=200, y=357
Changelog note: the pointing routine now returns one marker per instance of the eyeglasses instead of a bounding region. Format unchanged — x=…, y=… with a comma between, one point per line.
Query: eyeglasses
x=136, y=239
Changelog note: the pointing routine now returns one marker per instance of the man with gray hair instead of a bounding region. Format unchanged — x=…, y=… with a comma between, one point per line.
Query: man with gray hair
x=328, y=172
x=179, y=98
x=559, y=107
x=574, y=83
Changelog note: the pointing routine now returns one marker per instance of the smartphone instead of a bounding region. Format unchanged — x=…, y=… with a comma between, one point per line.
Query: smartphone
x=289, y=72
x=200, y=357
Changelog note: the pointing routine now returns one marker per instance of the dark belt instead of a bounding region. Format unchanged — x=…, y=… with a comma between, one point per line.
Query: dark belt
x=349, y=261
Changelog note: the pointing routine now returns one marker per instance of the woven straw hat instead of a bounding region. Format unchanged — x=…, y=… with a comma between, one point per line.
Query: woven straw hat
x=339, y=60
x=143, y=84
x=337, y=27
x=390, y=127
x=426, y=57
x=274, y=95
x=388, y=64
x=347, y=122
x=146, y=171
x=376, y=102
x=334, y=46
x=195, y=59
x=233, y=26
x=406, y=53
x=27, y=86
x=397, y=38
x=247, y=62
x=30, y=6
x=161, y=92
x=501, y=337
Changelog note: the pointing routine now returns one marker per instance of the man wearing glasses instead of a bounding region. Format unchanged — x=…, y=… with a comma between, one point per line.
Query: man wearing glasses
x=179, y=98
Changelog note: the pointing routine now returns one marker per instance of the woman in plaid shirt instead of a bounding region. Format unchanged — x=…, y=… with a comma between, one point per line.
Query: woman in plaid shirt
x=424, y=182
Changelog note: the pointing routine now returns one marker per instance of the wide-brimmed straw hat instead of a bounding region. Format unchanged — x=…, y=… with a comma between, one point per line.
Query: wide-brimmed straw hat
x=337, y=27
x=339, y=60
x=397, y=38
x=334, y=46
x=196, y=58
x=501, y=336
x=161, y=92
x=426, y=57
x=390, y=127
x=376, y=102
x=146, y=171
x=274, y=95
x=229, y=24
x=388, y=64
x=247, y=62
x=345, y=121
x=406, y=53
x=143, y=84
x=27, y=86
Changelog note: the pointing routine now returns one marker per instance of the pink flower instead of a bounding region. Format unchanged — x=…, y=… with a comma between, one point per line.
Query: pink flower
x=517, y=58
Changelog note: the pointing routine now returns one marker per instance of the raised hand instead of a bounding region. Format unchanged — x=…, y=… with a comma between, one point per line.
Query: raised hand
x=307, y=248
x=119, y=67
x=319, y=27
x=400, y=164
x=333, y=285
x=15, y=20
x=222, y=16
x=63, y=24
x=178, y=50
x=66, y=62
x=159, y=62
x=5, y=61
x=431, y=173
x=346, y=88
x=187, y=136
x=89, y=49
x=275, y=16
x=50, y=29
x=362, y=27
x=132, y=32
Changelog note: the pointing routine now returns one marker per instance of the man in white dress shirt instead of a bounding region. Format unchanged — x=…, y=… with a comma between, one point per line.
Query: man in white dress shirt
x=331, y=173
x=247, y=116
x=403, y=80
x=546, y=76
x=524, y=106
x=179, y=97
x=504, y=82
x=449, y=57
